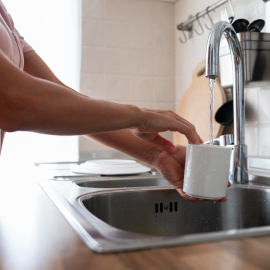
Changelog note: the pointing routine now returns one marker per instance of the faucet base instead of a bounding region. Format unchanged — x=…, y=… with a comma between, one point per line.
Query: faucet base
x=238, y=168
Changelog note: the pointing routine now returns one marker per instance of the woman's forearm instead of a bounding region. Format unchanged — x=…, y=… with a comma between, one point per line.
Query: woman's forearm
x=126, y=142
x=34, y=104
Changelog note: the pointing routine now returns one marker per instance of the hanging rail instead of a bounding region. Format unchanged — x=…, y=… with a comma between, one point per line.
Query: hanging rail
x=187, y=25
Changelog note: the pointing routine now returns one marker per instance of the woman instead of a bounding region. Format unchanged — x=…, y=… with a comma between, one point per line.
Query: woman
x=32, y=98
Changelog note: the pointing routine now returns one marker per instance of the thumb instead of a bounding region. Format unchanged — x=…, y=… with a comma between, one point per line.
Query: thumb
x=160, y=141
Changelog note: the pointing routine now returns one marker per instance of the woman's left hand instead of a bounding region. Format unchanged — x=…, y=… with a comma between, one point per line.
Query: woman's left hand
x=172, y=167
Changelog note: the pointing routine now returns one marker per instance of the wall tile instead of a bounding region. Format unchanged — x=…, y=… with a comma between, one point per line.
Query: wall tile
x=142, y=104
x=164, y=64
x=251, y=103
x=251, y=140
x=116, y=88
x=92, y=60
x=267, y=17
x=140, y=62
x=163, y=14
x=245, y=9
x=261, y=8
x=264, y=141
x=116, y=61
x=92, y=9
x=164, y=106
x=116, y=10
x=141, y=89
x=92, y=85
x=164, y=89
x=116, y=34
x=87, y=144
x=140, y=36
x=119, y=43
x=264, y=108
x=267, y=26
x=92, y=33
x=164, y=39
x=140, y=12
x=167, y=135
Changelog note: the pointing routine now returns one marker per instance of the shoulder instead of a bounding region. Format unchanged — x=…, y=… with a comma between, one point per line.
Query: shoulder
x=6, y=16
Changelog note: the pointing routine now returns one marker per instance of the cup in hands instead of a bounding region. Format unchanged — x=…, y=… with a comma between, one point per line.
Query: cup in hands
x=207, y=171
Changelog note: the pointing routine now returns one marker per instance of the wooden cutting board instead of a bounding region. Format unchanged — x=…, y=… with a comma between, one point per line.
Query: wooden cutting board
x=194, y=106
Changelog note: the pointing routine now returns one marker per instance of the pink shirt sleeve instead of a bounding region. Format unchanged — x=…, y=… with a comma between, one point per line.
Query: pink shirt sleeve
x=25, y=46
x=11, y=42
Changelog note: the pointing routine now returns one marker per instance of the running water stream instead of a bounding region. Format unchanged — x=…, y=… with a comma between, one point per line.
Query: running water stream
x=211, y=103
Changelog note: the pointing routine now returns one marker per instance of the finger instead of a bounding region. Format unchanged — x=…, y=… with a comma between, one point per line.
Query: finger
x=186, y=128
x=185, y=196
x=166, y=144
x=158, y=140
x=222, y=200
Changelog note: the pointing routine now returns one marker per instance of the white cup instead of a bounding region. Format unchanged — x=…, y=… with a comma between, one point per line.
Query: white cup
x=207, y=171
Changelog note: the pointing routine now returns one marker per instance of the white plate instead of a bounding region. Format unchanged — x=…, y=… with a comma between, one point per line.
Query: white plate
x=111, y=167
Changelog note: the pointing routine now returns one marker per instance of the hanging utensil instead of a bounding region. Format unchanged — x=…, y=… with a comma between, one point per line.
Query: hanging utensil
x=224, y=115
x=210, y=19
x=256, y=26
x=240, y=25
x=201, y=32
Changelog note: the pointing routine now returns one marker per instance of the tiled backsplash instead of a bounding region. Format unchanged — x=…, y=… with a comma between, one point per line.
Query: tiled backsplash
x=193, y=51
x=128, y=54
x=258, y=119
x=131, y=53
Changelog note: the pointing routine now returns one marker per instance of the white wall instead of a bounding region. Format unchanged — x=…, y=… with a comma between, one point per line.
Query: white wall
x=189, y=54
x=131, y=53
x=52, y=28
x=128, y=54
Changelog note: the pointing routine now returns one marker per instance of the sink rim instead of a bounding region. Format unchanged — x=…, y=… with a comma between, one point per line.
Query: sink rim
x=125, y=239
x=122, y=179
x=91, y=229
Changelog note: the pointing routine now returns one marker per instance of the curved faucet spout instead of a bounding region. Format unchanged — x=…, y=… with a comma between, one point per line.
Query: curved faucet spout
x=213, y=44
x=239, y=174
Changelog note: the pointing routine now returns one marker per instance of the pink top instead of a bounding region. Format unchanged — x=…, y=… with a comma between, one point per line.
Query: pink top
x=12, y=44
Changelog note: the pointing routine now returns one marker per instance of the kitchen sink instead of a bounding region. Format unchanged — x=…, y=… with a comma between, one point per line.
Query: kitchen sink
x=123, y=182
x=165, y=213
x=127, y=213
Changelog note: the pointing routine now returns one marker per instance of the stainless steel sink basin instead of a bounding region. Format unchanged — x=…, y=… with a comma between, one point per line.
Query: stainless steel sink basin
x=165, y=213
x=120, y=214
x=124, y=183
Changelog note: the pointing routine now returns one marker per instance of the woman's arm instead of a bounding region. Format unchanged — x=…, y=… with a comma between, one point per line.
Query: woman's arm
x=30, y=103
x=34, y=104
x=170, y=163
x=35, y=66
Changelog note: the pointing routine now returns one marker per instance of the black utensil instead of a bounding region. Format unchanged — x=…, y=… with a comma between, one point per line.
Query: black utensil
x=240, y=25
x=256, y=26
x=224, y=114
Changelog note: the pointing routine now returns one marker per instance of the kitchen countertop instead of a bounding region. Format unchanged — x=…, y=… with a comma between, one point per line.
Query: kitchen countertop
x=34, y=235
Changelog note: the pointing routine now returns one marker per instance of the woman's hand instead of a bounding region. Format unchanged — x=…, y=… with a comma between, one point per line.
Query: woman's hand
x=172, y=167
x=155, y=121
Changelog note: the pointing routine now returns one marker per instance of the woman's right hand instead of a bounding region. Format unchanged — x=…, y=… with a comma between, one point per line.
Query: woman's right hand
x=155, y=121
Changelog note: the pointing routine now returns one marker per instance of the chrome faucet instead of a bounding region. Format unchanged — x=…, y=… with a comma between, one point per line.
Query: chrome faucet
x=238, y=171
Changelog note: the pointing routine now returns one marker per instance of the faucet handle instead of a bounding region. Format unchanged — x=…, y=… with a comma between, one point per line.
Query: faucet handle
x=215, y=142
x=227, y=139
x=223, y=140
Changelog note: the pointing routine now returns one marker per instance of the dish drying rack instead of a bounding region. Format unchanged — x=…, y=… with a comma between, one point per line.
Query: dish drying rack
x=188, y=24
